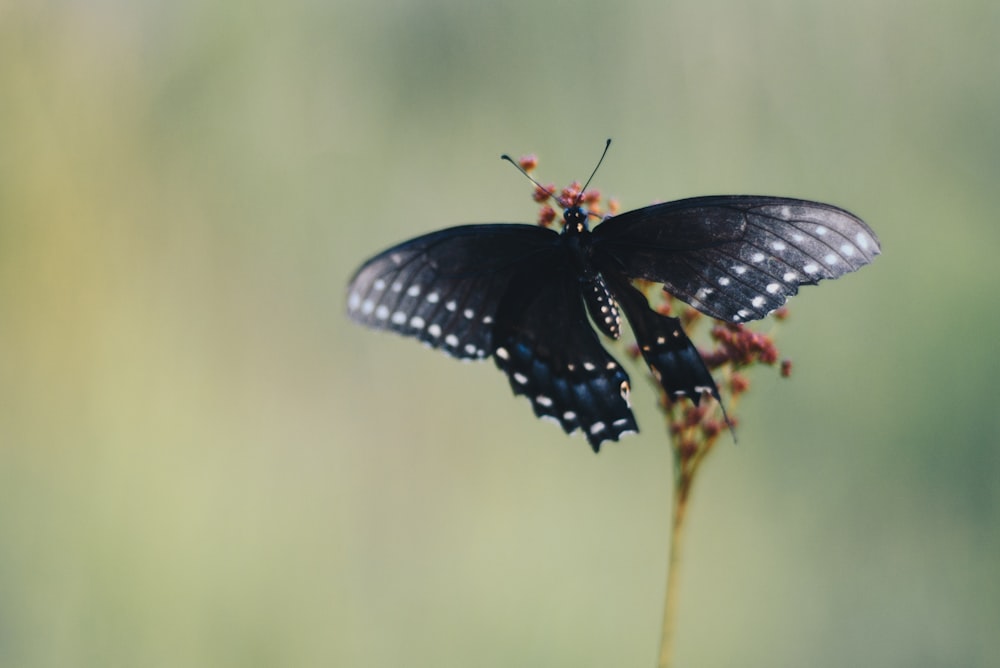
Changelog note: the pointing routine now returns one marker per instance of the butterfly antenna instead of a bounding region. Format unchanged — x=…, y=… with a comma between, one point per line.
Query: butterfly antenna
x=526, y=174
x=579, y=197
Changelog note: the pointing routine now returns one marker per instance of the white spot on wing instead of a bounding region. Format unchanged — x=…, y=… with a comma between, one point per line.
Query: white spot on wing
x=757, y=301
x=811, y=268
x=470, y=348
x=433, y=297
x=543, y=400
x=451, y=306
x=862, y=240
x=724, y=281
x=398, y=318
x=847, y=249
x=740, y=269
x=413, y=290
x=379, y=284
x=521, y=378
x=773, y=288
x=469, y=313
x=821, y=231
x=368, y=307
x=354, y=301
x=434, y=330
x=779, y=246
x=416, y=322
x=757, y=258
x=597, y=428
x=789, y=276
x=503, y=354
x=830, y=259
x=382, y=312
x=451, y=340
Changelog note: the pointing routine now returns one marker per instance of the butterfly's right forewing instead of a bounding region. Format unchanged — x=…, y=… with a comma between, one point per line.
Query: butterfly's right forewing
x=737, y=257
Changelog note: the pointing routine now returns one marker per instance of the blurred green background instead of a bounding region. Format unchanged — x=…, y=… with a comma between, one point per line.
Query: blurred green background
x=204, y=463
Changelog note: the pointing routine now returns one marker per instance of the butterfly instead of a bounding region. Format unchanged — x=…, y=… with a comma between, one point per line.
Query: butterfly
x=535, y=299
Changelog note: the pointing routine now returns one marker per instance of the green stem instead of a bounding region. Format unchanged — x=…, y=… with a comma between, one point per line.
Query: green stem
x=681, y=489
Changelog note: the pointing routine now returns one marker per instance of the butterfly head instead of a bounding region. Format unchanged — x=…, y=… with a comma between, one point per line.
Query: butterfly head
x=575, y=219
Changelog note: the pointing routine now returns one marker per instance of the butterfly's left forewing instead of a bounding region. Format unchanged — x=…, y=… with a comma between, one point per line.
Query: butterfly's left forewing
x=736, y=257
x=444, y=288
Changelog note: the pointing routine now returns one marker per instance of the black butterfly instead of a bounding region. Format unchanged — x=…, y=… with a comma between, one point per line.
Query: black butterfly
x=530, y=297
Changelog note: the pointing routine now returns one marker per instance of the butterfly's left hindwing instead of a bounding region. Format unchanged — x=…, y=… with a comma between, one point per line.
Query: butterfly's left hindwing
x=549, y=350
x=736, y=257
x=444, y=288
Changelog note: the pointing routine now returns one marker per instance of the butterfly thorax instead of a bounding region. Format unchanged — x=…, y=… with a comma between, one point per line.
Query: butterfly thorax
x=600, y=303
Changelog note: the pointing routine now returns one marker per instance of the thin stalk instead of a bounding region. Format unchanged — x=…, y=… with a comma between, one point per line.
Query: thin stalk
x=673, y=571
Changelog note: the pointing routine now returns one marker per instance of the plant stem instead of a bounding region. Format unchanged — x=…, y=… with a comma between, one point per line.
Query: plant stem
x=681, y=489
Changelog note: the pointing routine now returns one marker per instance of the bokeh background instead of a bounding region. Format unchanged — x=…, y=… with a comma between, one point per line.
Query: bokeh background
x=204, y=463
